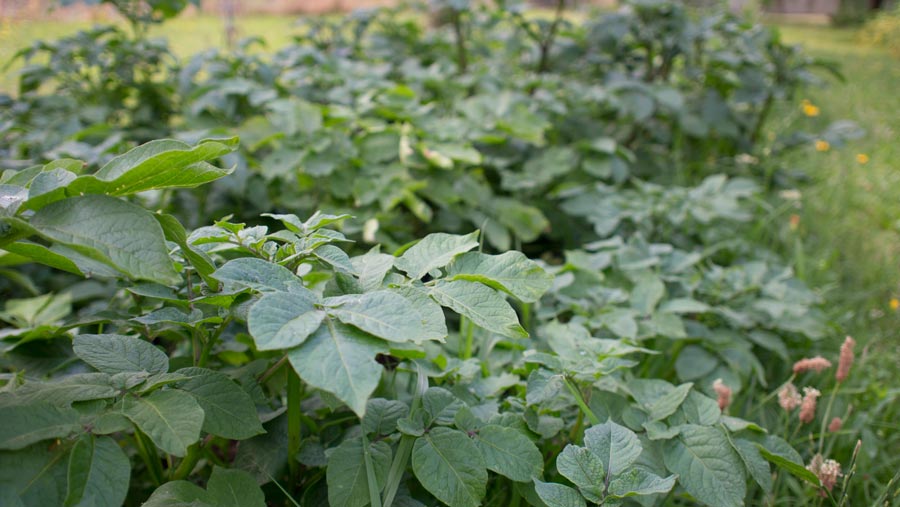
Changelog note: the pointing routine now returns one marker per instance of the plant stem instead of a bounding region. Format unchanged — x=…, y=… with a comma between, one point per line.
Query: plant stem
x=826, y=415
x=188, y=463
x=579, y=399
x=547, y=42
x=272, y=370
x=294, y=418
x=404, y=449
x=147, y=450
x=374, y=499
x=461, y=52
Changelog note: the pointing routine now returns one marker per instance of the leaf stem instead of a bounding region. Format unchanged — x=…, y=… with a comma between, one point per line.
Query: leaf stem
x=374, y=499
x=294, y=419
x=188, y=463
x=579, y=399
x=147, y=450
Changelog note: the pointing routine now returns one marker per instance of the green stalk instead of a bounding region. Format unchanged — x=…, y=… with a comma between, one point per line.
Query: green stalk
x=374, y=499
x=147, y=450
x=827, y=415
x=404, y=449
x=211, y=341
x=467, y=332
x=579, y=399
x=294, y=419
x=188, y=463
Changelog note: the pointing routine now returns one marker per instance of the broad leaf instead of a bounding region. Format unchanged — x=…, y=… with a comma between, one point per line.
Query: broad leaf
x=557, y=495
x=24, y=425
x=113, y=353
x=234, y=488
x=229, y=410
x=67, y=390
x=616, y=446
x=707, y=466
x=756, y=464
x=639, y=482
x=449, y=465
x=510, y=272
x=483, y=305
x=780, y=453
x=434, y=251
x=381, y=313
x=584, y=469
x=348, y=484
x=34, y=476
x=111, y=231
x=509, y=453
x=172, y=419
x=179, y=494
x=281, y=320
x=99, y=473
x=341, y=360
x=259, y=275
x=382, y=416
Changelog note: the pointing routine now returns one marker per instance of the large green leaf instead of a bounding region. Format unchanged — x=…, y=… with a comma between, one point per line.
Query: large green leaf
x=281, y=320
x=67, y=390
x=450, y=467
x=172, y=419
x=163, y=163
x=24, y=425
x=110, y=231
x=234, y=488
x=434, y=251
x=585, y=469
x=639, y=482
x=259, y=275
x=99, y=472
x=557, y=495
x=372, y=267
x=616, y=446
x=33, y=477
x=340, y=359
x=382, y=416
x=229, y=410
x=114, y=353
x=780, y=453
x=180, y=494
x=348, y=484
x=756, y=464
x=382, y=313
x=509, y=453
x=707, y=466
x=510, y=272
x=482, y=304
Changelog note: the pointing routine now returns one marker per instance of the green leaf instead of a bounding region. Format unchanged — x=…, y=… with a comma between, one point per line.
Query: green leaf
x=24, y=425
x=229, y=410
x=434, y=251
x=557, y=495
x=707, y=466
x=99, y=473
x=757, y=465
x=666, y=405
x=259, y=275
x=510, y=272
x=346, y=472
x=780, y=453
x=616, y=446
x=509, y=453
x=114, y=353
x=234, y=488
x=695, y=362
x=179, y=494
x=172, y=419
x=111, y=231
x=434, y=322
x=66, y=390
x=163, y=163
x=448, y=465
x=441, y=405
x=372, y=267
x=483, y=305
x=174, y=232
x=34, y=476
x=647, y=293
x=639, y=482
x=281, y=320
x=382, y=313
x=382, y=416
x=584, y=469
x=340, y=359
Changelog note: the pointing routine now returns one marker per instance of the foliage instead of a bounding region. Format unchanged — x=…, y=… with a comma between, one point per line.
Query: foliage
x=883, y=31
x=383, y=353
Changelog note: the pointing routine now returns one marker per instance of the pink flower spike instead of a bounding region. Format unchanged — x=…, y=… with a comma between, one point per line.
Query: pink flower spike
x=788, y=397
x=835, y=425
x=827, y=470
x=817, y=364
x=808, y=405
x=723, y=392
x=846, y=359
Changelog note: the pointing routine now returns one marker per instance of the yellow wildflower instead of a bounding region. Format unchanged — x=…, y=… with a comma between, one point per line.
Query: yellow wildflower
x=895, y=304
x=862, y=158
x=809, y=109
x=822, y=145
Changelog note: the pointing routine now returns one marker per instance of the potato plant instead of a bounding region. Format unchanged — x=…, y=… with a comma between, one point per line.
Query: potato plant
x=498, y=261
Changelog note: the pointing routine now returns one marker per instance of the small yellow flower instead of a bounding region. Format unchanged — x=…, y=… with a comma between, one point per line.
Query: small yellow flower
x=895, y=304
x=862, y=158
x=809, y=109
x=822, y=145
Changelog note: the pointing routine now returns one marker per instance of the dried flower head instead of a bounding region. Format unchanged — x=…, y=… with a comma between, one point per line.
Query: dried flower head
x=835, y=425
x=827, y=470
x=723, y=392
x=788, y=397
x=817, y=364
x=846, y=359
x=808, y=405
